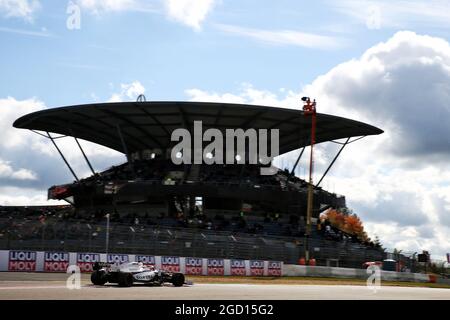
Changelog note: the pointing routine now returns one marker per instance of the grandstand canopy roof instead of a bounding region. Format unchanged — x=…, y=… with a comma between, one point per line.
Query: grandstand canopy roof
x=149, y=125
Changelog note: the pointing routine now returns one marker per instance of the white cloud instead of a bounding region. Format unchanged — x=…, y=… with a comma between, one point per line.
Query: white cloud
x=99, y=6
x=397, y=13
x=24, y=9
x=7, y=171
x=29, y=164
x=401, y=85
x=14, y=196
x=42, y=33
x=398, y=182
x=286, y=37
x=128, y=91
x=204, y=96
x=11, y=109
x=247, y=94
x=189, y=12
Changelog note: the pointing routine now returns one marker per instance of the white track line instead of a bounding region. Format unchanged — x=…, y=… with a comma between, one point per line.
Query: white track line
x=33, y=287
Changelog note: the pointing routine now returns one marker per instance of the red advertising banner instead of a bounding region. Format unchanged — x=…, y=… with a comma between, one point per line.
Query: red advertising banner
x=86, y=261
x=22, y=261
x=56, y=261
x=237, y=267
x=274, y=268
x=256, y=267
x=193, y=266
x=148, y=261
x=216, y=267
x=171, y=264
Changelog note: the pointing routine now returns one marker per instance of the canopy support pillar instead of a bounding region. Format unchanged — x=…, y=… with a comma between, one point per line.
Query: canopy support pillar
x=62, y=156
x=332, y=162
x=84, y=155
x=296, y=162
x=124, y=145
x=125, y=149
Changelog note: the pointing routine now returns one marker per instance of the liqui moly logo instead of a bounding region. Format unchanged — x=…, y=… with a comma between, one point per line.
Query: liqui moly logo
x=56, y=261
x=147, y=260
x=194, y=266
x=171, y=264
x=117, y=258
x=237, y=267
x=256, y=267
x=22, y=261
x=274, y=268
x=86, y=261
x=88, y=257
x=216, y=267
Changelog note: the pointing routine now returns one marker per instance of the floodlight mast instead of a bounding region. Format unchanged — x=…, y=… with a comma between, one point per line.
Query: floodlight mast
x=309, y=109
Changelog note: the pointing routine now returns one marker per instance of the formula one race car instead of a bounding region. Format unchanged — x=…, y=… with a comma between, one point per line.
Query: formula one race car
x=128, y=273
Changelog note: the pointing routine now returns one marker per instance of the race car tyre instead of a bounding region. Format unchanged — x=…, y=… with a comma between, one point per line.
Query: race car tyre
x=178, y=279
x=125, y=279
x=98, y=277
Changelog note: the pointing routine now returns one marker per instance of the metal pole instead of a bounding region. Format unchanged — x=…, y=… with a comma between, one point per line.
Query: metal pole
x=332, y=162
x=295, y=165
x=124, y=145
x=43, y=236
x=125, y=149
x=296, y=162
x=65, y=235
x=107, y=233
x=310, y=109
x=90, y=237
x=62, y=156
x=84, y=155
x=8, y=236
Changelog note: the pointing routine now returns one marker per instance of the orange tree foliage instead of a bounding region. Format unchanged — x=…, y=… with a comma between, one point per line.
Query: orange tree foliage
x=349, y=223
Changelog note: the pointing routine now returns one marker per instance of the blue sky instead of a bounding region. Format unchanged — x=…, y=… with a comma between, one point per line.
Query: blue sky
x=121, y=45
x=383, y=62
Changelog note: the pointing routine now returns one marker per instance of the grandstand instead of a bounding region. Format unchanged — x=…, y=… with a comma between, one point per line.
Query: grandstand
x=198, y=210
x=62, y=229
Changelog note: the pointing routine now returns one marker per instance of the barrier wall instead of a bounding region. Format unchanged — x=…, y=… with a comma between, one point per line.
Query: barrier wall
x=40, y=261
x=348, y=273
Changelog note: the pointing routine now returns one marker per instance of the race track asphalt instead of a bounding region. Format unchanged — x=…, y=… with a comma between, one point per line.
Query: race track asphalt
x=26, y=286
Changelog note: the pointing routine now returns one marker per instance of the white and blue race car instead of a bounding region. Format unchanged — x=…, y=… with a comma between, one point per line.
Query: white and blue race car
x=126, y=274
